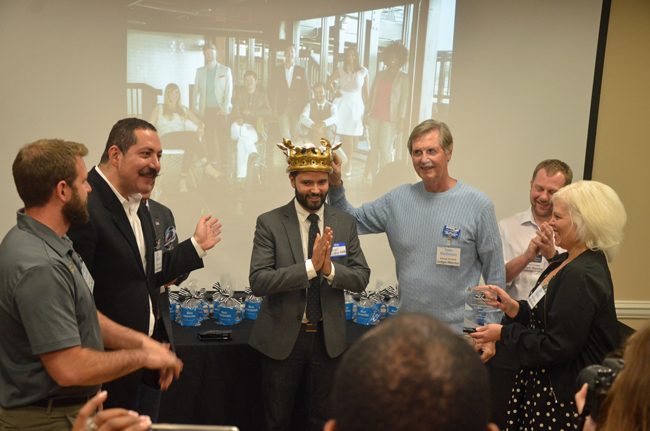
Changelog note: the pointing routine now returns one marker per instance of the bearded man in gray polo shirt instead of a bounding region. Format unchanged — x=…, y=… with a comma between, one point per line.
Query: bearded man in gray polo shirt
x=52, y=356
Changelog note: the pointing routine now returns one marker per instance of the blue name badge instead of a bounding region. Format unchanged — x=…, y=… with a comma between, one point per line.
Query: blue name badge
x=451, y=232
x=338, y=250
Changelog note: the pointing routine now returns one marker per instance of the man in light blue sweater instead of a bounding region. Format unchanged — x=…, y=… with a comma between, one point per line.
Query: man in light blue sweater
x=443, y=233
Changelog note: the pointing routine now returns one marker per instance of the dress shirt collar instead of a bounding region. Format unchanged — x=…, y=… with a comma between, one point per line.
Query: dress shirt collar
x=303, y=213
x=131, y=204
x=527, y=218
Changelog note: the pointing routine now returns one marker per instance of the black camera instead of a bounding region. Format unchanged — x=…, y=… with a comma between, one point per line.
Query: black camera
x=600, y=379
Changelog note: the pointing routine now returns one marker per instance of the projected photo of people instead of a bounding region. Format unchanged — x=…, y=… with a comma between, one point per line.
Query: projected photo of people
x=350, y=84
x=182, y=130
x=301, y=73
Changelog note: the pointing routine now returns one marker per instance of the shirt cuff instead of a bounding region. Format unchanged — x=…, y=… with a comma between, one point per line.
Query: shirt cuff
x=330, y=278
x=311, y=272
x=198, y=248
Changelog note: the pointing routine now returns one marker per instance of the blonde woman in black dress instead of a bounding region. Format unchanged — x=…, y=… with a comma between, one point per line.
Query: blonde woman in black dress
x=569, y=320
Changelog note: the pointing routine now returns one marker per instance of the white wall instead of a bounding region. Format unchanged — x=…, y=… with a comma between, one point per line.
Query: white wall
x=521, y=88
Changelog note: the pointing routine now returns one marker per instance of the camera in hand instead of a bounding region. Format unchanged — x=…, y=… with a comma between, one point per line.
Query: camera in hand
x=600, y=379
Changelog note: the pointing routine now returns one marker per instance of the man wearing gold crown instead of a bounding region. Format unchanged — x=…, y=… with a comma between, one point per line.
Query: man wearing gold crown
x=443, y=233
x=300, y=329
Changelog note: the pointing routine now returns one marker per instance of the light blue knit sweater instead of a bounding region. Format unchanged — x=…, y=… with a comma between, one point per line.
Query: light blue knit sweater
x=413, y=220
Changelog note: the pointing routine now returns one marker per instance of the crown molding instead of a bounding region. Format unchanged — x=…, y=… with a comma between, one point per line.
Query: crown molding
x=633, y=309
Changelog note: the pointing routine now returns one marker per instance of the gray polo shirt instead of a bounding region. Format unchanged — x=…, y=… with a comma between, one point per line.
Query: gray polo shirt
x=45, y=306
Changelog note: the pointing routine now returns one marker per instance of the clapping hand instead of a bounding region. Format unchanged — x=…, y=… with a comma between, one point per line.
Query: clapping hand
x=320, y=257
x=545, y=241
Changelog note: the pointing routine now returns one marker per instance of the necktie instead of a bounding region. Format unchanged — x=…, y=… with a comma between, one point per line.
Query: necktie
x=314, y=313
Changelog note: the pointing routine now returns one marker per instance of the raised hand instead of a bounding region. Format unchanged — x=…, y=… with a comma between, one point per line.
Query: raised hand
x=208, y=232
x=335, y=176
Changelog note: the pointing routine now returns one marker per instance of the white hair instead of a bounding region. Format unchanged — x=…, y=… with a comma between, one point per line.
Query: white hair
x=597, y=213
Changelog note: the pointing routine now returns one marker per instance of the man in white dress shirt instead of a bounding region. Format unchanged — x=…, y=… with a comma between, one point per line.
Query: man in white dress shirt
x=526, y=236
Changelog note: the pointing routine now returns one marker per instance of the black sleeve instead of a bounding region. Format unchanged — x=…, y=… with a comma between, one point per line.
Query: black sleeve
x=571, y=303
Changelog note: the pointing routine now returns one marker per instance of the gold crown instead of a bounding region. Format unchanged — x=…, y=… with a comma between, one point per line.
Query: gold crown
x=308, y=157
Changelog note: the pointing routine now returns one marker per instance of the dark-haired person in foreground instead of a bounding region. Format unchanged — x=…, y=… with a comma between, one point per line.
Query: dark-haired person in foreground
x=119, y=247
x=627, y=403
x=52, y=357
x=410, y=373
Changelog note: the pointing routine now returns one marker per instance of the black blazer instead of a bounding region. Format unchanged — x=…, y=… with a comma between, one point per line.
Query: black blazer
x=278, y=273
x=292, y=99
x=164, y=227
x=122, y=287
x=579, y=324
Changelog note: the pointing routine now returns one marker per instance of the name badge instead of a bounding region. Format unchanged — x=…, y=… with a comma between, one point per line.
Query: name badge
x=536, y=296
x=157, y=261
x=451, y=232
x=87, y=277
x=448, y=256
x=338, y=250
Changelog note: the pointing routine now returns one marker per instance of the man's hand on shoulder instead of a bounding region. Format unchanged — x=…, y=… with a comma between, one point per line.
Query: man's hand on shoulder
x=208, y=232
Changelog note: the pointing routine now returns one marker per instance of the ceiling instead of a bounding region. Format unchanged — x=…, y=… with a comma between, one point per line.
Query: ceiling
x=237, y=16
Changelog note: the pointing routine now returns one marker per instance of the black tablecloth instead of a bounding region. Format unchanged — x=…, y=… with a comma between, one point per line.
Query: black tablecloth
x=221, y=380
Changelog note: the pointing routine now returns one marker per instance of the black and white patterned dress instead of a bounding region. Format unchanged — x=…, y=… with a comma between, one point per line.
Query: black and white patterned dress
x=533, y=404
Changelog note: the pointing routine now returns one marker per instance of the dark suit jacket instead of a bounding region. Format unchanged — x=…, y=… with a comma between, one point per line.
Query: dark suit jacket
x=278, y=273
x=164, y=228
x=257, y=104
x=294, y=98
x=108, y=247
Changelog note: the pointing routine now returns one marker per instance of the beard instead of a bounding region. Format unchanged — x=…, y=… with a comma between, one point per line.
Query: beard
x=303, y=200
x=540, y=212
x=76, y=211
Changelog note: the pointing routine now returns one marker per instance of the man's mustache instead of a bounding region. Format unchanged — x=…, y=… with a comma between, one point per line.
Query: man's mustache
x=148, y=172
